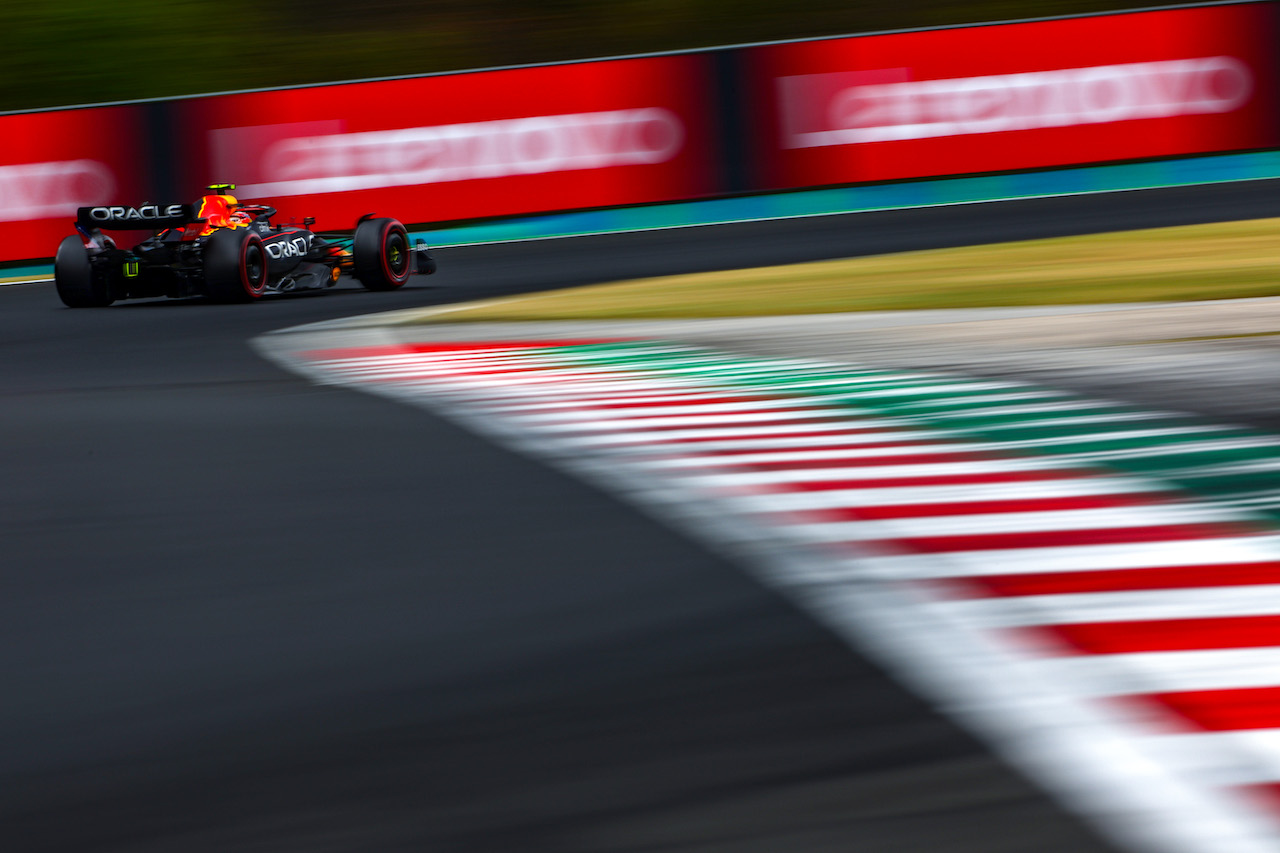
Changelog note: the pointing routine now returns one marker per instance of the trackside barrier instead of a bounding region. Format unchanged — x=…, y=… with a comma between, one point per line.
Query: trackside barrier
x=1015, y=96
x=863, y=110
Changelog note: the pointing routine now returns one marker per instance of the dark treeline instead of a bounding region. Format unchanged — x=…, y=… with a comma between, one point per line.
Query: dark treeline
x=86, y=51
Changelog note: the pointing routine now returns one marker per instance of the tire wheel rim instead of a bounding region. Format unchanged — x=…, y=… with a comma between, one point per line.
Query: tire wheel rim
x=254, y=269
x=396, y=255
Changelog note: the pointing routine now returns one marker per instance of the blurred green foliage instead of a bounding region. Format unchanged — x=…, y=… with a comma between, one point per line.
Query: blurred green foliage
x=87, y=51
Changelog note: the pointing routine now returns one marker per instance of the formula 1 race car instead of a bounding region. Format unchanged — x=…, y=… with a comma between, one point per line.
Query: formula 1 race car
x=226, y=251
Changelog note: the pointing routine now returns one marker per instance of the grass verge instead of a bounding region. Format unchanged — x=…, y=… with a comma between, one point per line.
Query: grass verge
x=1218, y=261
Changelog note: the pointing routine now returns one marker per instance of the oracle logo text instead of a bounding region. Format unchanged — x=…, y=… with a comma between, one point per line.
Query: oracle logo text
x=146, y=213
x=818, y=110
x=288, y=248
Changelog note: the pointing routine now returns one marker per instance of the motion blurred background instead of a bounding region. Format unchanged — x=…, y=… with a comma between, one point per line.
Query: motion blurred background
x=245, y=611
x=84, y=51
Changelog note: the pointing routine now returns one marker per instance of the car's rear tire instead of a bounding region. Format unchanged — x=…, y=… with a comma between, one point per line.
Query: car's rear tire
x=382, y=259
x=79, y=284
x=235, y=266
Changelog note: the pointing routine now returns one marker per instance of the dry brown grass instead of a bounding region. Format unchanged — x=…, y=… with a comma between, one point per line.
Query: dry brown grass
x=1218, y=261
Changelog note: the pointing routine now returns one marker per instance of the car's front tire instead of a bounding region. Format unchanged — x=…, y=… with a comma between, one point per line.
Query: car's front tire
x=235, y=266
x=79, y=284
x=382, y=260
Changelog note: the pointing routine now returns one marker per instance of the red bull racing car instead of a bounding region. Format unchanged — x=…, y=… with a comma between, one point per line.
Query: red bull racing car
x=226, y=251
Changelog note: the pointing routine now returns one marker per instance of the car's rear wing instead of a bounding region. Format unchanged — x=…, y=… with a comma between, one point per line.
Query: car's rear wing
x=147, y=216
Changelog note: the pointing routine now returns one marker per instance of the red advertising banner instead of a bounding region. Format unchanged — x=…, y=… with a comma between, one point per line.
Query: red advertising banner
x=1014, y=96
x=54, y=162
x=463, y=146
x=620, y=132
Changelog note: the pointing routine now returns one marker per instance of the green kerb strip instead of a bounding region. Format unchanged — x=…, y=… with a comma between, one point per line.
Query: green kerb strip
x=1234, y=465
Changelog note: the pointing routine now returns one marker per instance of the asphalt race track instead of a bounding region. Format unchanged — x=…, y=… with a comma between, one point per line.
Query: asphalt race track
x=243, y=612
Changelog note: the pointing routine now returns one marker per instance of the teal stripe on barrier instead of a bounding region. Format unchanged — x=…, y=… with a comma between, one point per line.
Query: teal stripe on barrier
x=826, y=202
x=13, y=275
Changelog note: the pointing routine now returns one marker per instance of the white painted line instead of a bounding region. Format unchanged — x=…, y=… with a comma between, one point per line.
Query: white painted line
x=764, y=454
x=1255, y=466
x=748, y=440
x=739, y=418
x=603, y=401
x=793, y=386
x=1125, y=606
x=949, y=494
x=525, y=381
x=957, y=411
x=997, y=394
x=663, y=438
x=524, y=374
x=527, y=391
x=1079, y=558
x=903, y=446
x=739, y=367
x=1223, y=759
x=874, y=472
x=654, y=412
x=1169, y=672
x=1116, y=435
